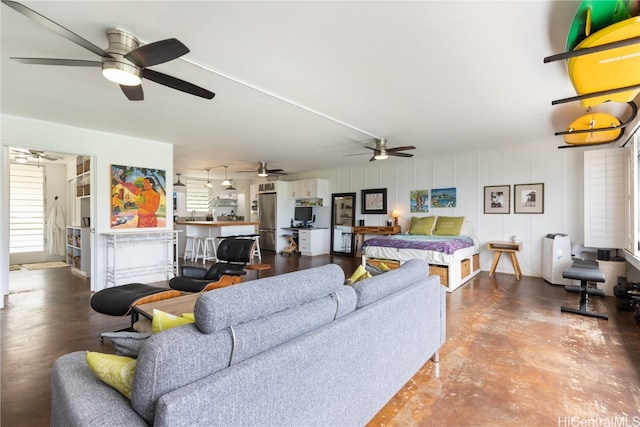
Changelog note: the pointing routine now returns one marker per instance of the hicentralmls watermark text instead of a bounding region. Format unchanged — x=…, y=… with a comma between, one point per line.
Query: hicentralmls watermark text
x=613, y=421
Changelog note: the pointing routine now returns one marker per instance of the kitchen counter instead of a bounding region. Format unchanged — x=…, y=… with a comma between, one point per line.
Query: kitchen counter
x=217, y=223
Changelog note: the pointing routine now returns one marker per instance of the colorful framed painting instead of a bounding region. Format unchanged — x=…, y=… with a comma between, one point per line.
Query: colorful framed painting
x=374, y=201
x=497, y=199
x=419, y=201
x=443, y=198
x=138, y=197
x=528, y=198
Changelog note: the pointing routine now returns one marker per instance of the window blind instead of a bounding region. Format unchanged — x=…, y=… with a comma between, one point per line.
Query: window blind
x=26, y=208
x=198, y=196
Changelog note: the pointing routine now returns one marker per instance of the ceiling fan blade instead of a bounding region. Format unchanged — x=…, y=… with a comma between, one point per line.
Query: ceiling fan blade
x=47, y=23
x=399, y=154
x=176, y=83
x=403, y=148
x=356, y=154
x=276, y=173
x=275, y=170
x=373, y=158
x=133, y=93
x=157, y=52
x=371, y=148
x=56, y=61
x=44, y=156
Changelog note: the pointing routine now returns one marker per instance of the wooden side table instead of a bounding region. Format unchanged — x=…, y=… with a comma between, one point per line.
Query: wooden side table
x=258, y=268
x=381, y=229
x=509, y=247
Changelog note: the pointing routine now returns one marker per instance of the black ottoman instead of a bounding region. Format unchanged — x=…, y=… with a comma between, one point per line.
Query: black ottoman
x=585, y=271
x=120, y=300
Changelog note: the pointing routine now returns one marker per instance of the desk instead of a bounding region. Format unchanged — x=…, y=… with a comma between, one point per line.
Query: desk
x=509, y=247
x=381, y=229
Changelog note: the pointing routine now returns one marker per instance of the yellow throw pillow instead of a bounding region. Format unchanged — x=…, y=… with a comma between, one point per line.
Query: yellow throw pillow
x=448, y=226
x=384, y=267
x=422, y=225
x=117, y=371
x=360, y=274
x=163, y=321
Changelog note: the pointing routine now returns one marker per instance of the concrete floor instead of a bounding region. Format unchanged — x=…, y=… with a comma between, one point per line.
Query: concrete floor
x=511, y=357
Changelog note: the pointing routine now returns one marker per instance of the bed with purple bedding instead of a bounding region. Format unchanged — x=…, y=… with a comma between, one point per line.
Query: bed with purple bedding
x=457, y=254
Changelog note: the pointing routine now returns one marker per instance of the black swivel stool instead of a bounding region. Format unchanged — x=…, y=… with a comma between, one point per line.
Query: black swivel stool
x=585, y=271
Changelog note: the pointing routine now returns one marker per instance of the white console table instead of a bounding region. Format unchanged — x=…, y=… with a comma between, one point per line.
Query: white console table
x=141, y=256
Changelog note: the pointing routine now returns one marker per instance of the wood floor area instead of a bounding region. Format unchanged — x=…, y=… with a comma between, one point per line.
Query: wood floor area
x=511, y=357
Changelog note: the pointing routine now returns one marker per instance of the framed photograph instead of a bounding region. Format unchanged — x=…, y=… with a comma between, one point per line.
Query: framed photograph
x=138, y=197
x=497, y=199
x=374, y=201
x=528, y=198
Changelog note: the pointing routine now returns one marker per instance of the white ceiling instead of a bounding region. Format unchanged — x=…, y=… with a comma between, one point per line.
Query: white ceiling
x=444, y=76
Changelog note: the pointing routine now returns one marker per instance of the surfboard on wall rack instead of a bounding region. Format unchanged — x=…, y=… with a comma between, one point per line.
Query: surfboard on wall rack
x=596, y=129
x=608, y=69
x=594, y=15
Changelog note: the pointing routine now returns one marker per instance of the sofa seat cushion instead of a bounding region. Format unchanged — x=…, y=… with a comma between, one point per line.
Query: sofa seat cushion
x=377, y=287
x=258, y=298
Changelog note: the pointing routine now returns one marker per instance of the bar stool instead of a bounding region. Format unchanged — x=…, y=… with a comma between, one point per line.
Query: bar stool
x=191, y=247
x=206, y=246
x=255, y=252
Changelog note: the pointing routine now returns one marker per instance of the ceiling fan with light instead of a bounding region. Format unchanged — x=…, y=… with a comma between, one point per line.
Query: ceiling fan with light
x=381, y=151
x=264, y=171
x=22, y=155
x=124, y=61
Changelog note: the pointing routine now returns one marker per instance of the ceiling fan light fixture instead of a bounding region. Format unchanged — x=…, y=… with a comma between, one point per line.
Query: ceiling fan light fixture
x=381, y=155
x=262, y=170
x=121, y=73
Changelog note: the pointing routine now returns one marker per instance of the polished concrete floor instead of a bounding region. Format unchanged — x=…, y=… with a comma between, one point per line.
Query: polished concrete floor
x=511, y=357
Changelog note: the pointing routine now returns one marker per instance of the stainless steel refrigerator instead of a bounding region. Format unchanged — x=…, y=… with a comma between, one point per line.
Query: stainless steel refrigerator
x=267, y=215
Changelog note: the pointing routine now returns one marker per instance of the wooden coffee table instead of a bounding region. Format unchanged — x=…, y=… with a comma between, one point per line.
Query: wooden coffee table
x=176, y=306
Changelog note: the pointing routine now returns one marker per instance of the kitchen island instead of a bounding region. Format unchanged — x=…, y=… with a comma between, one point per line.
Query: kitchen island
x=213, y=229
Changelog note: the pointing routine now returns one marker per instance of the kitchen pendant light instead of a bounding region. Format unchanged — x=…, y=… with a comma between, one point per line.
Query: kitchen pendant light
x=178, y=184
x=208, y=184
x=226, y=180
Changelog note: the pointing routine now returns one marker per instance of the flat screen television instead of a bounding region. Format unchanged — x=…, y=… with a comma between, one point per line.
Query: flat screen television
x=303, y=213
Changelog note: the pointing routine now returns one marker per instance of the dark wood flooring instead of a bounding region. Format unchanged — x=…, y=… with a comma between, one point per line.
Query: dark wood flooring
x=511, y=357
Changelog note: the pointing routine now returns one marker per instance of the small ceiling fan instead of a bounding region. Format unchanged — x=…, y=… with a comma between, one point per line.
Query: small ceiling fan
x=124, y=62
x=35, y=154
x=263, y=171
x=381, y=151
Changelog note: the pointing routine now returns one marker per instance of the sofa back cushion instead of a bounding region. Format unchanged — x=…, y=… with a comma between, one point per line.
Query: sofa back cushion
x=257, y=298
x=377, y=287
x=182, y=355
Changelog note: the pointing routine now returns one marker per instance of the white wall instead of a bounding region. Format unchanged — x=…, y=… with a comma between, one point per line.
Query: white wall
x=559, y=169
x=106, y=149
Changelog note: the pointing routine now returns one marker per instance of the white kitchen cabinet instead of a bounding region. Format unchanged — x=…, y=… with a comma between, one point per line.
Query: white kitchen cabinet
x=78, y=250
x=309, y=189
x=313, y=241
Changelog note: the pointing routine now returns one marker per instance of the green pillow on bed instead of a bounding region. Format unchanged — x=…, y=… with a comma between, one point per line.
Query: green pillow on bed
x=422, y=225
x=448, y=226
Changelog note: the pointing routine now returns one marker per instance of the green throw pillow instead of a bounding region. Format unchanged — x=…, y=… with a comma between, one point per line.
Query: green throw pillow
x=422, y=225
x=117, y=371
x=448, y=226
x=163, y=321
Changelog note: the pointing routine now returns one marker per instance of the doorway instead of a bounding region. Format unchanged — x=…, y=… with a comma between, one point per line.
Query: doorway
x=60, y=208
x=343, y=212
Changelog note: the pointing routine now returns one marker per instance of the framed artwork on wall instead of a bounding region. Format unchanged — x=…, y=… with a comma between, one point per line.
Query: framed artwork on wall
x=528, y=198
x=497, y=199
x=419, y=200
x=138, y=197
x=443, y=197
x=374, y=201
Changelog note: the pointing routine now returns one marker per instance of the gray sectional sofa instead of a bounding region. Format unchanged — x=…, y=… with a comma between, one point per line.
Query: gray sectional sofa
x=290, y=350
